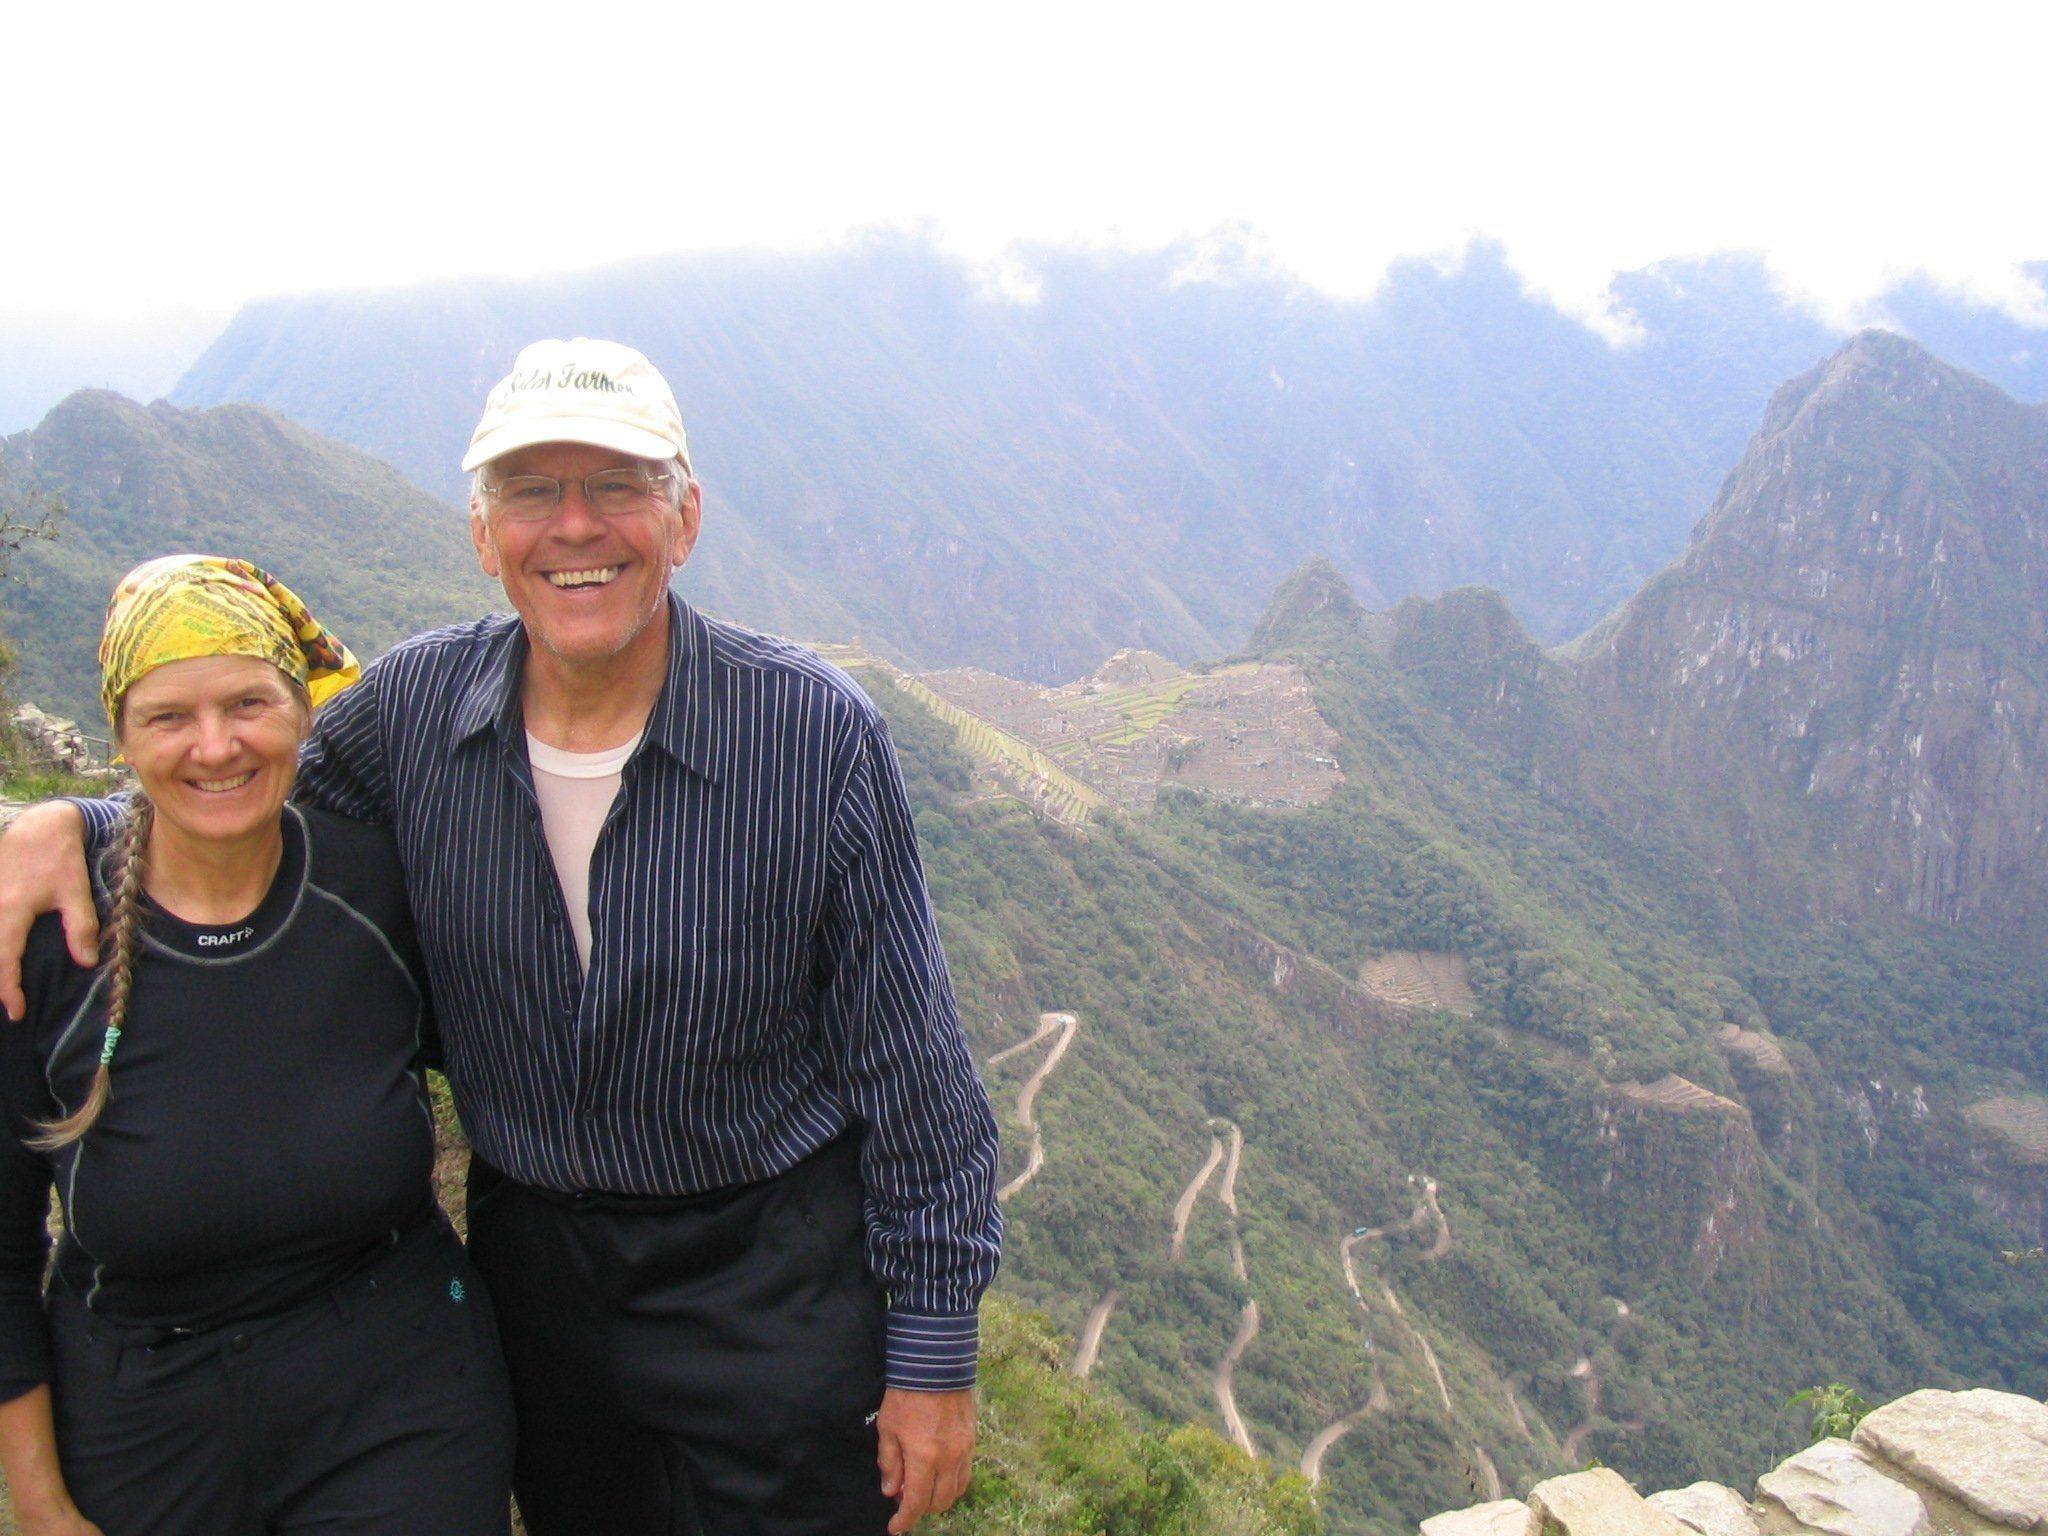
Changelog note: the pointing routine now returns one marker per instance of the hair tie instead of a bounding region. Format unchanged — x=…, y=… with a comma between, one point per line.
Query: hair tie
x=113, y=1039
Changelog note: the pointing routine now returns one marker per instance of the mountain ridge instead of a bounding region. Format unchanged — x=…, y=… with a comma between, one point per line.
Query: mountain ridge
x=372, y=555
x=1859, y=623
x=1136, y=456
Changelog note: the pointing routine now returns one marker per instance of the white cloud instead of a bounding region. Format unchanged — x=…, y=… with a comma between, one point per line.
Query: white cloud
x=204, y=154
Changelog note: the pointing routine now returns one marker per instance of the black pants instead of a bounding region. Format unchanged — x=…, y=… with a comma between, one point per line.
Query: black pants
x=700, y=1366
x=379, y=1408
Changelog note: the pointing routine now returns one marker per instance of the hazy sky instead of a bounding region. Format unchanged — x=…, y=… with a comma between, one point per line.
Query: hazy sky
x=202, y=154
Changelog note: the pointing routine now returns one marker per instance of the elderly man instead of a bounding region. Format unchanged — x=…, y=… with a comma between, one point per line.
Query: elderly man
x=733, y=1177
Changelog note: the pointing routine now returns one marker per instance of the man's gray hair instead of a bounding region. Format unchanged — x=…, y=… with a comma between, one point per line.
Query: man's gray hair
x=678, y=472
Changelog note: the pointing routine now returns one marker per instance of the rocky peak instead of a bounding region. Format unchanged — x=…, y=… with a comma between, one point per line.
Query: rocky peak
x=1317, y=588
x=1861, y=624
x=1469, y=653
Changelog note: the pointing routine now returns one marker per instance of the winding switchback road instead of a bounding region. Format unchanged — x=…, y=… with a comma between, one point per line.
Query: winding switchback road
x=1226, y=1394
x=1225, y=1381
x=1091, y=1333
x=1426, y=1209
x=1585, y=1371
x=1442, y=1245
x=1047, y=1023
x=1330, y=1434
x=1184, y=1207
x=1027, y=1096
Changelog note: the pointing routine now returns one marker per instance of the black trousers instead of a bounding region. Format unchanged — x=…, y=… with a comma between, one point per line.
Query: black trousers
x=702, y=1366
x=379, y=1408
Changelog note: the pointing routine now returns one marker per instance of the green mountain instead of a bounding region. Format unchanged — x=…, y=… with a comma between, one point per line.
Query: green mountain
x=1134, y=457
x=1402, y=1074
x=1558, y=1128
x=371, y=554
x=1617, y=1162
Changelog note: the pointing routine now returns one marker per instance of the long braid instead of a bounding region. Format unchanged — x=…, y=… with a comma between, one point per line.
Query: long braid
x=122, y=924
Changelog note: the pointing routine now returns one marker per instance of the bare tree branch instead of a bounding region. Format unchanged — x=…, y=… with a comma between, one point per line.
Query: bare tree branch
x=24, y=520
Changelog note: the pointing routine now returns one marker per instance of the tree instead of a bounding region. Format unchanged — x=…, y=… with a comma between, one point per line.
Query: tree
x=24, y=519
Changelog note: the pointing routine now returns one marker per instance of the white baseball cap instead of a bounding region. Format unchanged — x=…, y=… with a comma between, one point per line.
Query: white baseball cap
x=581, y=391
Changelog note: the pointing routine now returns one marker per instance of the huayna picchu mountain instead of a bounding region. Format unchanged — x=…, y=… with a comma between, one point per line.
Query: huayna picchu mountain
x=1847, y=668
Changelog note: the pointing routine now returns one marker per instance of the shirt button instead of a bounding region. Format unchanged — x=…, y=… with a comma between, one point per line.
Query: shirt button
x=239, y=1343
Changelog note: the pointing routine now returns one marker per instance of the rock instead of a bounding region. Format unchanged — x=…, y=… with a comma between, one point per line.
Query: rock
x=1832, y=1489
x=52, y=740
x=1984, y=1452
x=1596, y=1503
x=1510, y=1517
x=1709, y=1509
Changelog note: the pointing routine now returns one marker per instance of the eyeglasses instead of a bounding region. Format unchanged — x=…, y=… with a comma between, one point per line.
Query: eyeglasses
x=609, y=493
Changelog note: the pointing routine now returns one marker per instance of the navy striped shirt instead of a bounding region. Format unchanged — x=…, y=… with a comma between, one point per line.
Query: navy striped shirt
x=764, y=972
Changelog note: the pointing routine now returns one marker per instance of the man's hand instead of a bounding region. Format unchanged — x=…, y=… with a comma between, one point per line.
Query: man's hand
x=42, y=869
x=926, y=1453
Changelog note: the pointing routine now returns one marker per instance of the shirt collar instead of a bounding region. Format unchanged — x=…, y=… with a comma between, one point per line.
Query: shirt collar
x=681, y=721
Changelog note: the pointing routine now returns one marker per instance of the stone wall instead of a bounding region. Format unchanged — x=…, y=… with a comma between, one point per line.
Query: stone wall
x=52, y=742
x=1931, y=1464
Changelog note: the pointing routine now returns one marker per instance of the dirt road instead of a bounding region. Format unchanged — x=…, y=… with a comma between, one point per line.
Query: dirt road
x=1027, y=1096
x=1488, y=1471
x=1330, y=1434
x=1091, y=1333
x=1584, y=1370
x=1227, y=1193
x=1184, y=1207
x=1442, y=1245
x=1426, y=1209
x=1047, y=1023
x=1224, y=1381
x=1515, y=1408
x=1226, y=1370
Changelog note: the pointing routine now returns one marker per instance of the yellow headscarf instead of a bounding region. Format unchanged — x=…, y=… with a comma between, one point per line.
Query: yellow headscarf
x=182, y=606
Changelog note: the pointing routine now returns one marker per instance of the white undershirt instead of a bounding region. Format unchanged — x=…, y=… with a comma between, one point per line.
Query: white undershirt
x=575, y=790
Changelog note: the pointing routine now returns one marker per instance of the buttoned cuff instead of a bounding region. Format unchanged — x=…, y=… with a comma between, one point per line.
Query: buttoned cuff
x=925, y=1353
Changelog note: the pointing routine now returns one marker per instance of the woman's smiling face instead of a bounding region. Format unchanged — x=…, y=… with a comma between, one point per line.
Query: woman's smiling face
x=214, y=742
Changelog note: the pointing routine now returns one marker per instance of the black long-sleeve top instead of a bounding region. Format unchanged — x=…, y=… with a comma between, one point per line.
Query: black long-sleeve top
x=269, y=1128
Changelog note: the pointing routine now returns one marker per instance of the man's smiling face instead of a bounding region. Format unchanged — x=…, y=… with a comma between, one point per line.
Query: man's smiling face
x=587, y=585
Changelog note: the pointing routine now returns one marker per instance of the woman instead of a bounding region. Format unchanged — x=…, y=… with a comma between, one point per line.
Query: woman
x=258, y=1320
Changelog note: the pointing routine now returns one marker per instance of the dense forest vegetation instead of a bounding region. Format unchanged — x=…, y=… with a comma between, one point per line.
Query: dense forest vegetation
x=1598, y=958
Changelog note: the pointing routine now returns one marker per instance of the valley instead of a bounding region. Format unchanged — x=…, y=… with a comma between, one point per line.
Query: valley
x=1372, y=1005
